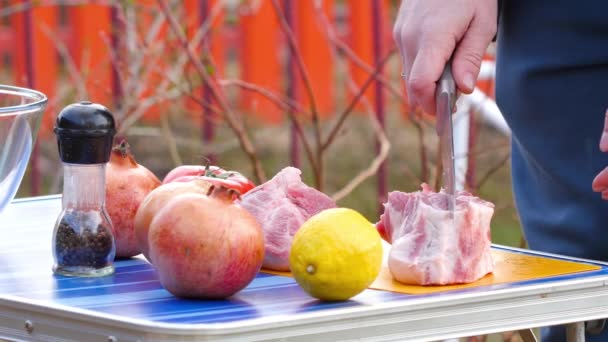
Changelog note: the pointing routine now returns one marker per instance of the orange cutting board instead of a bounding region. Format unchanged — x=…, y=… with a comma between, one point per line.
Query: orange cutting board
x=509, y=267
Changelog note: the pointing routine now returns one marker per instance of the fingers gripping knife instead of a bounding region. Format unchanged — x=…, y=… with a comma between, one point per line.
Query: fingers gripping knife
x=445, y=97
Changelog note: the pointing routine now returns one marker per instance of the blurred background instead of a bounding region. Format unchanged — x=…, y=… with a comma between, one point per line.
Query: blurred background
x=253, y=86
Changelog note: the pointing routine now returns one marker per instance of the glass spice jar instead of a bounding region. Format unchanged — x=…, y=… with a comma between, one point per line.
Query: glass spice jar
x=83, y=241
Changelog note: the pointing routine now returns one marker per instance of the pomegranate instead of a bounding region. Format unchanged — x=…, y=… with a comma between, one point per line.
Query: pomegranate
x=127, y=184
x=213, y=174
x=205, y=246
x=157, y=199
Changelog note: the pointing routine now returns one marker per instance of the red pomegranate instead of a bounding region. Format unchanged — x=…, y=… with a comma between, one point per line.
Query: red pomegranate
x=127, y=184
x=205, y=246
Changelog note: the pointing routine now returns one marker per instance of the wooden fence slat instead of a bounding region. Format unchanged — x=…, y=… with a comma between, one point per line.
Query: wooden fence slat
x=259, y=59
x=290, y=89
x=316, y=53
x=377, y=15
x=45, y=58
x=361, y=38
x=35, y=66
x=21, y=54
x=197, y=12
x=44, y=21
x=118, y=43
x=40, y=57
x=154, y=65
x=361, y=41
x=91, y=25
x=487, y=85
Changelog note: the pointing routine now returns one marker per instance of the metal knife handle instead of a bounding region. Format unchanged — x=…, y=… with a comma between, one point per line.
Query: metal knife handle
x=446, y=89
x=446, y=82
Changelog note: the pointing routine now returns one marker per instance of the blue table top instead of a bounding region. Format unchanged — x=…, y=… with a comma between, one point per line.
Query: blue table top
x=134, y=291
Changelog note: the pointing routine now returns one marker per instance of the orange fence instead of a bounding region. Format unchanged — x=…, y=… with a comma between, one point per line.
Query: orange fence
x=33, y=37
x=42, y=43
x=260, y=56
x=34, y=62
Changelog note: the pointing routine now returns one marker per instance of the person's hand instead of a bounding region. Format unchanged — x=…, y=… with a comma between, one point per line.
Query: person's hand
x=428, y=32
x=600, y=183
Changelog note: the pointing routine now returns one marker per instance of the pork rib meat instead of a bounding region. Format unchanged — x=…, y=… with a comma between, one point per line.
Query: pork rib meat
x=281, y=206
x=427, y=247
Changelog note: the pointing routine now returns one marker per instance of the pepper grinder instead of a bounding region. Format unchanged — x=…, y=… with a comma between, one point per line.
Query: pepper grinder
x=83, y=241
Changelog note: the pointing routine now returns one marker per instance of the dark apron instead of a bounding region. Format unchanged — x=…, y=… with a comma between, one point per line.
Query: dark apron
x=552, y=87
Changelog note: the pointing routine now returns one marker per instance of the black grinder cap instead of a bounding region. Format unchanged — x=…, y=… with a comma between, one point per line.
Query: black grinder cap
x=85, y=132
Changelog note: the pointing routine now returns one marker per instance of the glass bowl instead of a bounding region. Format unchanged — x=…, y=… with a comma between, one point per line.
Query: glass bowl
x=21, y=112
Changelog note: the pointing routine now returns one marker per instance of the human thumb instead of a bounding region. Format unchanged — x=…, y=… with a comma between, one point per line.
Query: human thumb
x=469, y=55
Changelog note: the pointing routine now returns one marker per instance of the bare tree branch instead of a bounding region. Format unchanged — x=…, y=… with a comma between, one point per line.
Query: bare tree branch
x=290, y=107
x=228, y=115
x=170, y=138
x=296, y=54
x=281, y=102
x=374, y=166
x=424, y=168
x=71, y=67
x=342, y=117
x=342, y=47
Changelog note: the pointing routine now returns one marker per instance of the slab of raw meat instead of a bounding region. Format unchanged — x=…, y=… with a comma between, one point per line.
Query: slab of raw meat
x=427, y=247
x=281, y=206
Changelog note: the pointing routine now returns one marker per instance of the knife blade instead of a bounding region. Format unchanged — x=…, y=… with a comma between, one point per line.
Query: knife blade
x=445, y=98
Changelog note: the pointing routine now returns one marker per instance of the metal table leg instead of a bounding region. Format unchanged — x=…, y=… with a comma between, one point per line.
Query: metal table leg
x=575, y=332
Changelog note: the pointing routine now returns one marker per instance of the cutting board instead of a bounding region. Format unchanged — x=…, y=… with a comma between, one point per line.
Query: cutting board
x=509, y=267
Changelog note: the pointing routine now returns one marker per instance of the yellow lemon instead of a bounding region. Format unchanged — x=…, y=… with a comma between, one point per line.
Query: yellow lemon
x=336, y=254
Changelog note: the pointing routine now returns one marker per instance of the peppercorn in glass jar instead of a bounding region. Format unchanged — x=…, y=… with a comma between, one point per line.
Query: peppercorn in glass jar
x=83, y=242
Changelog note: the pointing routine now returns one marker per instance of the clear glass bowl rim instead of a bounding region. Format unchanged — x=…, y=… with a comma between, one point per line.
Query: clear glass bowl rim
x=36, y=99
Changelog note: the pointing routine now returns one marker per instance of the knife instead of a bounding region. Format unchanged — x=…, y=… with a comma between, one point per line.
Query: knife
x=445, y=98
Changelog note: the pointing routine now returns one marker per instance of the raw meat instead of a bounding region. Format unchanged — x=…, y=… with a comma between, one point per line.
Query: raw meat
x=427, y=247
x=281, y=205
